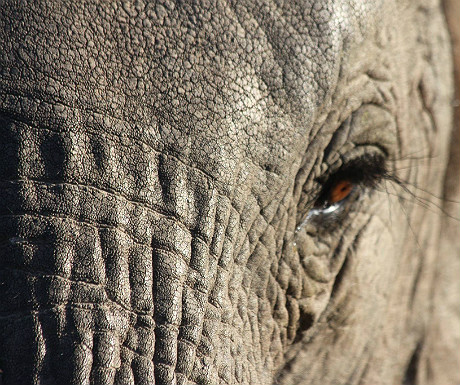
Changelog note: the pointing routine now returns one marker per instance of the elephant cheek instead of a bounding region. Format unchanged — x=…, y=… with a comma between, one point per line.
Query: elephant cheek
x=84, y=305
x=105, y=286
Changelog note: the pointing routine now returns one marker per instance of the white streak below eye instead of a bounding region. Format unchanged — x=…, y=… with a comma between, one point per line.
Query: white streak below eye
x=17, y=240
x=313, y=213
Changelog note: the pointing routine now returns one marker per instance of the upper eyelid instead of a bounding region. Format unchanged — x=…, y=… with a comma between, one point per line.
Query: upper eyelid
x=364, y=169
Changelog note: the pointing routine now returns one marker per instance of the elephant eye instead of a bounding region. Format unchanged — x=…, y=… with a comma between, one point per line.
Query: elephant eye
x=341, y=188
x=340, y=191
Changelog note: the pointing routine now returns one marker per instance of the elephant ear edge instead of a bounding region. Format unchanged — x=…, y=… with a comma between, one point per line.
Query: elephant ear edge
x=439, y=359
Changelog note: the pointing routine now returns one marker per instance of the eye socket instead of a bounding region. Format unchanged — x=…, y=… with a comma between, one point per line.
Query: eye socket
x=340, y=189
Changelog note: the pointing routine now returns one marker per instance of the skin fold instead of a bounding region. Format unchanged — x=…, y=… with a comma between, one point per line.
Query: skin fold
x=169, y=211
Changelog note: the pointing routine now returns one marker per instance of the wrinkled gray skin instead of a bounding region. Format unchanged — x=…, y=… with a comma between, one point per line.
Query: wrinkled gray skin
x=156, y=160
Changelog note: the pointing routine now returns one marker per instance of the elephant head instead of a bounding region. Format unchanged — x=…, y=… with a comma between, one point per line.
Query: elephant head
x=229, y=192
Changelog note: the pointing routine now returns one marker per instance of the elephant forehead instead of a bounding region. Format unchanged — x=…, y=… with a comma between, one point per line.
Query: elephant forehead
x=221, y=86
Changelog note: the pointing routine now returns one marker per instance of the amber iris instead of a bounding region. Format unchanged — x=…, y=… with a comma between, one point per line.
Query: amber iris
x=340, y=191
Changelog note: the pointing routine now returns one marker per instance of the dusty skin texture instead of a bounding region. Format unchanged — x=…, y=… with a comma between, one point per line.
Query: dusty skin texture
x=156, y=160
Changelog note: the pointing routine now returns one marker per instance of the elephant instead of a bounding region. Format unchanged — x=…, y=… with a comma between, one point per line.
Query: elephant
x=228, y=192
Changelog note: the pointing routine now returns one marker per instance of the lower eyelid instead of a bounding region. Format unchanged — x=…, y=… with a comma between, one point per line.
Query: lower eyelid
x=327, y=210
x=314, y=213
